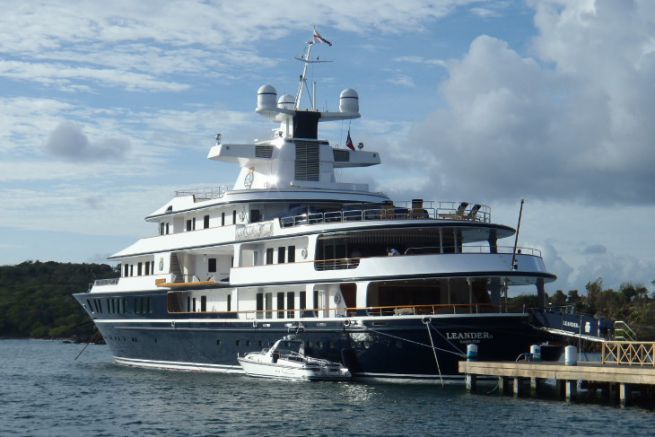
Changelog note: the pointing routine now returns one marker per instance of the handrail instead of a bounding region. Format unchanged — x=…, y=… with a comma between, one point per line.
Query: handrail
x=103, y=282
x=445, y=211
x=207, y=193
x=625, y=330
x=392, y=310
x=628, y=353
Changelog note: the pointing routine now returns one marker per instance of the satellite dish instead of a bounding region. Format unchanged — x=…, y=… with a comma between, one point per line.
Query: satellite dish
x=360, y=146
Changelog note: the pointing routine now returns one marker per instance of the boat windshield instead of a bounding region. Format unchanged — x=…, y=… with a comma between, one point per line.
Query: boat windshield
x=291, y=346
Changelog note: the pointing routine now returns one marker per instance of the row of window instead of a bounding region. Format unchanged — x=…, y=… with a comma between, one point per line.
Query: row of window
x=288, y=253
x=191, y=224
x=192, y=303
x=142, y=269
x=120, y=305
x=265, y=304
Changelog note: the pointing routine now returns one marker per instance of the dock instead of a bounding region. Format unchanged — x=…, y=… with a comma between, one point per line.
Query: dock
x=624, y=366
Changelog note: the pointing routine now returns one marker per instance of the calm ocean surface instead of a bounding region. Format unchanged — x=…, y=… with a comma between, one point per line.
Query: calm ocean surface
x=43, y=391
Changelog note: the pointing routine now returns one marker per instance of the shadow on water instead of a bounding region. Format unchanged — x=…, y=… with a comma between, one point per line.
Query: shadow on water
x=46, y=392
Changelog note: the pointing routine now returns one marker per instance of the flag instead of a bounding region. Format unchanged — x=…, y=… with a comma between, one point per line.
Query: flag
x=349, y=141
x=318, y=38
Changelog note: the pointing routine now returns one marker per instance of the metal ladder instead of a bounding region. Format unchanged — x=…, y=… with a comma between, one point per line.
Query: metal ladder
x=623, y=331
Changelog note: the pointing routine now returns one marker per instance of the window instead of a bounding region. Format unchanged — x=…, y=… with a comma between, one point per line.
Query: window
x=292, y=254
x=203, y=303
x=139, y=269
x=194, y=223
x=280, y=305
x=131, y=269
x=211, y=265
x=205, y=223
x=290, y=305
x=269, y=256
x=89, y=306
x=316, y=299
x=188, y=225
x=255, y=216
x=193, y=308
x=167, y=228
x=269, y=305
x=222, y=219
x=126, y=270
x=234, y=217
x=162, y=228
x=152, y=267
x=303, y=300
x=280, y=254
x=147, y=265
x=229, y=302
x=188, y=303
x=260, y=305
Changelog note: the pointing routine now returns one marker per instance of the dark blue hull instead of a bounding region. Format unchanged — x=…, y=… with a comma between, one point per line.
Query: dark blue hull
x=370, y=346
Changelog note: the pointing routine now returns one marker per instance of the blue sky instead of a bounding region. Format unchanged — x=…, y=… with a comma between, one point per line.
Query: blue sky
x=107, y=108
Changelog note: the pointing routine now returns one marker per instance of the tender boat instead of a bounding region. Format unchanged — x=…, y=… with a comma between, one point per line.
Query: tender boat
x=286, y=360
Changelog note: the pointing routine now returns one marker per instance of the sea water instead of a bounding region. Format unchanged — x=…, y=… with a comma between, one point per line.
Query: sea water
x=45, y=391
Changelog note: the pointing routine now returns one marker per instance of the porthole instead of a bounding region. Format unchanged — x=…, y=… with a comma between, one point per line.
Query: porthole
x=247, y=343
x=218, y=342
x=237, y=342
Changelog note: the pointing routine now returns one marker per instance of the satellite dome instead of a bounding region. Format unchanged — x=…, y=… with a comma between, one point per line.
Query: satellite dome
x=349, y=101
x=266, y=97
x=286, y=101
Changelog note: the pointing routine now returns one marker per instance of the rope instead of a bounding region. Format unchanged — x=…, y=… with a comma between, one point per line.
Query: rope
x=416, y=342
x=436, y=360
x=447, y=341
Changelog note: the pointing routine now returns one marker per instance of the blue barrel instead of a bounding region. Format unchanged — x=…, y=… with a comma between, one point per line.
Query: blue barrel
x=535, y=350
x=471, y=352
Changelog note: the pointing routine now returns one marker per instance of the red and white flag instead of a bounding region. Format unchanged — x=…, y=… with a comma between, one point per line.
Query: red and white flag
x=318, y=38
x=349, y=141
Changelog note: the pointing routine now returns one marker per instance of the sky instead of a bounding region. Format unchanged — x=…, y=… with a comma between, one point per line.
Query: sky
x=107, y=108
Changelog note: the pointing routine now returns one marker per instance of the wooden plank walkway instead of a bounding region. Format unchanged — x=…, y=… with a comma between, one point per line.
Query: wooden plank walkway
x=565, y=375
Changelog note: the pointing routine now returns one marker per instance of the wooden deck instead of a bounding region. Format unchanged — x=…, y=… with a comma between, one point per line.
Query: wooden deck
x=565, y=376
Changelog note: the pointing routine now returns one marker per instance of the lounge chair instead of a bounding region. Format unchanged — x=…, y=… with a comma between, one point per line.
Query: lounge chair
x=458, y=214
x=473, y=212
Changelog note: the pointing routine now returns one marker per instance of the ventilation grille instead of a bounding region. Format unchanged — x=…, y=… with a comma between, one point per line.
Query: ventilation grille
x=263, y=151
x=307, y=163
x=341, y=155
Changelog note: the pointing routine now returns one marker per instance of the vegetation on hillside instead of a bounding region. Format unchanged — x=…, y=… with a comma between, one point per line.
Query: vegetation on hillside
x=36, y=299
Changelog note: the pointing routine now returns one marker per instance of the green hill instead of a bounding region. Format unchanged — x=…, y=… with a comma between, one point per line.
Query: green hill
x=36, y=299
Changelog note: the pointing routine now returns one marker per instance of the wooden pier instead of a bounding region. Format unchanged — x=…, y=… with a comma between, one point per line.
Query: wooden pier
x=624, y=365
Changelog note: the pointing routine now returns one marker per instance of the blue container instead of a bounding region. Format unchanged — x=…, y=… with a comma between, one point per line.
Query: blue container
x=471, y=352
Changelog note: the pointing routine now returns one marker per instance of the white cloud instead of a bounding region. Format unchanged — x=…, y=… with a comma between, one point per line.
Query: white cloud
x=574, y=122
x=69, y=142
x=65, y=76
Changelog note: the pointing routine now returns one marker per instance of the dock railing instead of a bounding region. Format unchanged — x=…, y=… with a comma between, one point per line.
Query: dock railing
x=628, y=353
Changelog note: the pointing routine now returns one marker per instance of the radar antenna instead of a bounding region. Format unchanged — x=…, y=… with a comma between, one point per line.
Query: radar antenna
x=307, y=59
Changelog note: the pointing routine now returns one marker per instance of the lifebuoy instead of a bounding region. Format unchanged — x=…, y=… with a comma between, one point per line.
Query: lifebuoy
x=346, y=323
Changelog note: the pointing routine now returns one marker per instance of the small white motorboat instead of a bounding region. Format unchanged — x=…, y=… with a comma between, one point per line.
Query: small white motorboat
x=286, y=360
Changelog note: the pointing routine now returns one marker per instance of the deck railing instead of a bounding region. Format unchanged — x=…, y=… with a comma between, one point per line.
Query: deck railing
x=445, y=211
x=104, y=282
x=334, y=312
x=628, y=353
x=201, y=194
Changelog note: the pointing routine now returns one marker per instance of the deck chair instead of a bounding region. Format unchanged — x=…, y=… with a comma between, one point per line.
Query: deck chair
x=473, y=212
x=458, y=214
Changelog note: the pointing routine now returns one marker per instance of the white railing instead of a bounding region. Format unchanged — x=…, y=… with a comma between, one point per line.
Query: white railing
x=103, y=282
x=200, y=194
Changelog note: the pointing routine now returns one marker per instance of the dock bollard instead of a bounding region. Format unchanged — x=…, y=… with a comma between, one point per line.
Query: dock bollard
x=471, y=352
x=570, y=356
x=535, y=350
